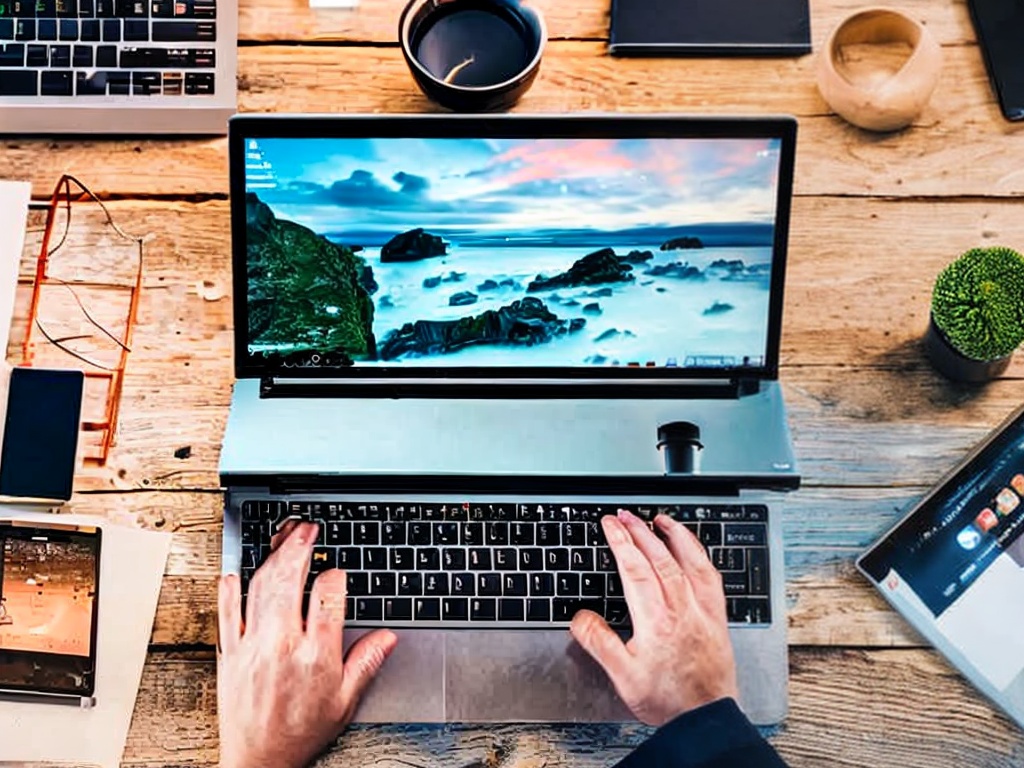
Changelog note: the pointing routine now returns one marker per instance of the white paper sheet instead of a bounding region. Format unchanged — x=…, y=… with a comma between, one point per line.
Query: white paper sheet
x=14, y=197
x=132, y=563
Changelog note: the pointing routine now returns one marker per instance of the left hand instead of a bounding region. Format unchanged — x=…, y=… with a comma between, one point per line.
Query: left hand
x=284, y=692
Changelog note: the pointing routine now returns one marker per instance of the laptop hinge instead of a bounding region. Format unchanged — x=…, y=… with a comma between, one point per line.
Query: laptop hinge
x=316, y=385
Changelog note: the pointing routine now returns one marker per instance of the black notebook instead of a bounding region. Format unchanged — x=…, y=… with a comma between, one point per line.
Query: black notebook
x=710, y=27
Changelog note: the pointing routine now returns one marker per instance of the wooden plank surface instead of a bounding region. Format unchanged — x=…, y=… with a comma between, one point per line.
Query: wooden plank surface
x=850, y=709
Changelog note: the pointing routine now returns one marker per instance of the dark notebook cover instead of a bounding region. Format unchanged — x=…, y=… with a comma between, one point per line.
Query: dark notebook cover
x=710, y=27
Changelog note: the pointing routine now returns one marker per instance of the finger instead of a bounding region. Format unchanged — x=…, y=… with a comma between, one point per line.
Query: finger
x=287, y=528
x=275, y=595
x=326, y=617
x=362, y=664
x=704, y=578
x=643, y=593
x=604, y=646
x=673, y=582
x=229, y=613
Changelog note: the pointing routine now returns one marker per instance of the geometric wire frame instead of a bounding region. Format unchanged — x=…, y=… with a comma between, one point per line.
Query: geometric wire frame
x=69, y=193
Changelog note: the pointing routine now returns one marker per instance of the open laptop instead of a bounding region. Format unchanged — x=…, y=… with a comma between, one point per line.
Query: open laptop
x=459, y=341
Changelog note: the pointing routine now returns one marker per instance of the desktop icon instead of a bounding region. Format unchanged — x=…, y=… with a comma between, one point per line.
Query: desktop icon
x=1018, y=484
x=968, y=538
x=1007, y=501
x=987, y=520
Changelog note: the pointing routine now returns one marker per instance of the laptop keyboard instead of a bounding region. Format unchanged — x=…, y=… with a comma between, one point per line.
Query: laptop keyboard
x=477, y=564
x=87, y=48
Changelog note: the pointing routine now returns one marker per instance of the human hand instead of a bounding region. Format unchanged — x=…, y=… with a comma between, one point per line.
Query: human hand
x=680, y=656
x=284, y=692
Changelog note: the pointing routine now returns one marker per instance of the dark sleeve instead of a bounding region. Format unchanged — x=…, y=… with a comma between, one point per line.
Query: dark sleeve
x=717, y=735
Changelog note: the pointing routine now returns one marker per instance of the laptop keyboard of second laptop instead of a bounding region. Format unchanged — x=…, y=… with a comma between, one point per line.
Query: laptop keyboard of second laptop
x=530, y=563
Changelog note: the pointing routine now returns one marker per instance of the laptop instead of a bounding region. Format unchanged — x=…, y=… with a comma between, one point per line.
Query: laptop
x=117, y=66
x=461, y=340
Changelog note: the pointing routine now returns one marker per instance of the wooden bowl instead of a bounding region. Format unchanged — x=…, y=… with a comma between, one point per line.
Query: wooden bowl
x=879, y=68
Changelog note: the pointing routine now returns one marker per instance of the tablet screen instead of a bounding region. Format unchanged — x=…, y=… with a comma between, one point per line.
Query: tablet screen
x=48, y=602
x=955, y=564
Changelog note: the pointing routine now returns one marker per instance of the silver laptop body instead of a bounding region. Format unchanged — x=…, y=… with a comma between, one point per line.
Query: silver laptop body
x=308, y=424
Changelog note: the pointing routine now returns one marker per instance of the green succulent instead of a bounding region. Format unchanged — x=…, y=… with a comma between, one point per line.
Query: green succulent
x=978, y=302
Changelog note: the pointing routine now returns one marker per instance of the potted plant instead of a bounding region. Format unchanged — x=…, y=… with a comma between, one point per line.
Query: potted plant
x=977, y=316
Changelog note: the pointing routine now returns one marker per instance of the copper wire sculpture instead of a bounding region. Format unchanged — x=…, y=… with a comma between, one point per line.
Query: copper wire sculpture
x=69, y=195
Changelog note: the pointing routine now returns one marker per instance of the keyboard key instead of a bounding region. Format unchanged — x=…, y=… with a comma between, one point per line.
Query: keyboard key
x=455, y=609
x=119, y=83
x=67, y=29
x=488, y=584
x=549, y=535
x=463, y=584
x=131, y=8
x=522, y=534
x=6, y=29
x=433, y=512
x=453, y=559
x=483, y=609
x=756, y=513
x=410, y=584
x=324, y=558
x=542, y=585
x=184, y=32
x=25, y=30
x=428, y=609
x=479, y=559
x=595, y=535
x=37, y=56
x=511, y=609
x=562, y=609
x=592, y=584
x=616, y=613
x=728, y=558
x=106, y=56
x=12, y=55
x=614, y=583
x=473, y=534
x=446, y=533
x=605, y=560
x=86, y=8
x=366, y=533
x=497, y=534
x=66, y=9
x=81, y=57
x=435, y=584
x=337, y=534
x=402, y=559
x=538, y=609
x=383, y=584
x=515, y=585
x=748, y=610
x=574, y=534
x=419, y=534
x=375, y=558
x=135, y=30
x=350, y=558
x=568, y=584
x=746, y=535
x=369, y=609
x=392, y=534
x=581, y=559
x=734, y=583
x=106, y=9
x=531, y=559
x=758, y=570
x=710, y=534
x=250, y=554
x=527, y=513
x=398, y=609
x=556, y=560
x=428, y=559
x=506, y=559
x=358, y=583
x=56, y=83
x=111, y=30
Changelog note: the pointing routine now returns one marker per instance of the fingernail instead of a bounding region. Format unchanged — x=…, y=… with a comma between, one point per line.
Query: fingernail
x=664, y=520
x=306, y=533
x=613, y=530
x=627, y=517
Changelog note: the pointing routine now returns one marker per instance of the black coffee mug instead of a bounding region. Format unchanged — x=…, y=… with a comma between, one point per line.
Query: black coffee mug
x=680, y=440
x=472, y=55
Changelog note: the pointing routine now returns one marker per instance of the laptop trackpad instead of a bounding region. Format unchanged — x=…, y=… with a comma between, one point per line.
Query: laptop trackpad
x=527, y=675
x=487, y=676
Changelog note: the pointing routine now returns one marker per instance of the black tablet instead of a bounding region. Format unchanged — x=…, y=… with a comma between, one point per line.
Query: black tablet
x=49, y=600
x=954, y=566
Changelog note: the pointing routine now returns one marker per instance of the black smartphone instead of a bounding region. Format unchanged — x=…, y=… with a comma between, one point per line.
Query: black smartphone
x=1000, y=28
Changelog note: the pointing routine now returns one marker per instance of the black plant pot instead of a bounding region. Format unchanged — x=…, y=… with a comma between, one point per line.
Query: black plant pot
x=953, y=365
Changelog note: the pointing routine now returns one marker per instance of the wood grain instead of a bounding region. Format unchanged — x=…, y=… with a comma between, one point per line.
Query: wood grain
x=959, y=147
x=377, y=22
x=886, y=709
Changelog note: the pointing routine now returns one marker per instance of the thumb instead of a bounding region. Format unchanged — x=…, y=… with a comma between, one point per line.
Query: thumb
x=600, y=641
x=363, y=662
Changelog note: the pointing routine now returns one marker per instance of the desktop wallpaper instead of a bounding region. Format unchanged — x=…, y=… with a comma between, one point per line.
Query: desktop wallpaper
x=510, y=252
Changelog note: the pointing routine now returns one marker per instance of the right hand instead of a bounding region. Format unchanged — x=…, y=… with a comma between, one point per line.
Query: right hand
x=680, y=656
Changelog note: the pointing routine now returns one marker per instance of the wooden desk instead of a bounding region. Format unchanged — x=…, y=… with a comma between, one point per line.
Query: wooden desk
x=875, y=218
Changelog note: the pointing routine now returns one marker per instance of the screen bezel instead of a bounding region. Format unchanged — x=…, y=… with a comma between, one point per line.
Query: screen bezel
x=922, y=513
x=25, y=530
x=241, y=128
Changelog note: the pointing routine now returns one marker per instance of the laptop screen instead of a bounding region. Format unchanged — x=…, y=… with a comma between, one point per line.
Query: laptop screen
x=586, y=253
